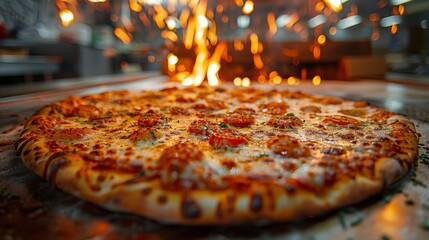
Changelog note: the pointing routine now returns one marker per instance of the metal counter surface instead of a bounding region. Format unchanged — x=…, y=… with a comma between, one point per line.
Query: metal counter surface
x=31, y=208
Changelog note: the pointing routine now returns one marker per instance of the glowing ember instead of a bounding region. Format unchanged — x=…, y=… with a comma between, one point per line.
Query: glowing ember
x=66, y=16
x=334, y=5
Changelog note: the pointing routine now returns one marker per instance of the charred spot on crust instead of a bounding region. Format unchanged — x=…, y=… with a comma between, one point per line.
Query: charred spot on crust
x=54, y=163
x=52, y=158
x=256, y=202
x=146, y=191
x=26, y=152
x=333, y=151
x=190, y=208
x=23, y=144
x=289, y=188
x=162, y=199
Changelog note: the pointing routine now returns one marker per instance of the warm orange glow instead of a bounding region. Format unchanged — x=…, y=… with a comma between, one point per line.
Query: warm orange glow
x=260, y=47
x=316, y=80
x=170, y=35
x=321, y=39
x=374, y=17
x=289, y=52
x=184, y=16
x=212, y=71
x=394, y=29
x=401, y=9
x=248, y=7
x=257, y=61
x=277, y=80
x=273, y=74
x=199, y=34
x=245, y=82
x=254, y=43
x=303, y=73
x=319, y=6
x=293, y=19
x=160, y=15
x=316, y=52
x=291, y=81
x=354, y=10
x=334, y=5
x=375, y=34
x=225, y=19
x=238, y=45
x=272, y=26
x=214, y=65
x=262, y=78
x=171, y=23
x=135, y=6
x=67, y=17
x=172, y=60
x=122, y=35
x=145, y=20
x=239, y=2
x=333, y=31
x=151, y=58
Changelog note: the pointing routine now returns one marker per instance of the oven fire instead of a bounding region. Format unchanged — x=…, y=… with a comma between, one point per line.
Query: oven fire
x=248, y=49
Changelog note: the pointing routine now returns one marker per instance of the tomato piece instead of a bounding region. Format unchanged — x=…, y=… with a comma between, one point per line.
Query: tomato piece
x=274, y=108
x=287, y=146
x=215, y=104
x=239, y=120
x=71, y=134
x=285, y=122
x=355, y=112
x=342, y=121
x=201, y=127
x=87, y=111
x=145, y=135
x=225, y=137
x=152, y=120
x=311, y=109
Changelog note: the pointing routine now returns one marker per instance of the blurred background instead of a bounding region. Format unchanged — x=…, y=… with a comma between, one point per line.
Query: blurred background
x=228, y=40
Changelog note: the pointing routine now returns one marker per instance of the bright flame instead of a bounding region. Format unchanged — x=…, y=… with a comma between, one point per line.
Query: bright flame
x=334, y=5
x=67, y=17
x=214, y=65
x=245, y=82
x=200, y=32
x=172, y=60
x=248, y=7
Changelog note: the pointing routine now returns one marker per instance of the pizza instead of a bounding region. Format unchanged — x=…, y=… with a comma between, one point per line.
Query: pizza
x=218, y=155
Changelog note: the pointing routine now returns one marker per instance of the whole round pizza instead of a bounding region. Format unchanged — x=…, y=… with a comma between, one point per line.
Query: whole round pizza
x=216, y=155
